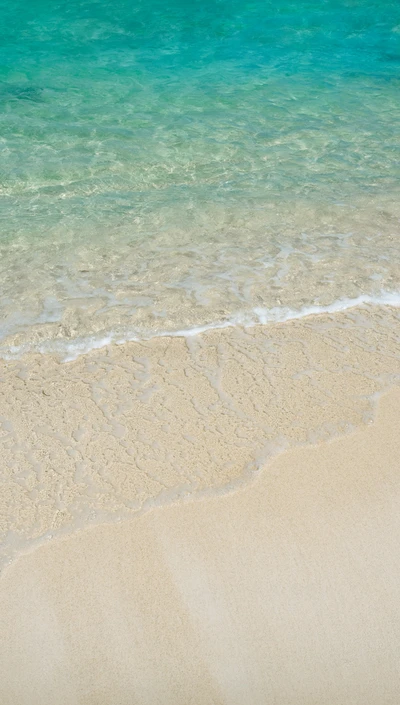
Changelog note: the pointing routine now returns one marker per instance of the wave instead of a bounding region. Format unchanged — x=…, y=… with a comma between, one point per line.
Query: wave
x=69, y=350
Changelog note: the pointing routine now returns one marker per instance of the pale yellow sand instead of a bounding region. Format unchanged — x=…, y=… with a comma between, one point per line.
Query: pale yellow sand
x=126, y=427
x=286, y=592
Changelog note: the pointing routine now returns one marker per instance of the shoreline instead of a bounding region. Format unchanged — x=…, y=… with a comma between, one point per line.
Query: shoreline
x=127, y=428
x=200, y=353
x=285, y=591
x=70, y=351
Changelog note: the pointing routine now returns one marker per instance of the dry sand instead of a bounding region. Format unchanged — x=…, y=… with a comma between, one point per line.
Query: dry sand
x=285, y=591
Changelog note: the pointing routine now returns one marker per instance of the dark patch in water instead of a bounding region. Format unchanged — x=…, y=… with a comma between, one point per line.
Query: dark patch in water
x=378, y=77
x=10, y=92
x=391, y=57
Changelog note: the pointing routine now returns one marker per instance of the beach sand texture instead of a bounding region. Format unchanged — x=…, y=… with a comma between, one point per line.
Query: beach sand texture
x=199, y=352
x=126, y=428
x=279, y=584
x=284, y=592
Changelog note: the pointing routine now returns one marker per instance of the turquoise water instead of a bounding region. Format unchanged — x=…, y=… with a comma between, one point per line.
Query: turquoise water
x=167, y=165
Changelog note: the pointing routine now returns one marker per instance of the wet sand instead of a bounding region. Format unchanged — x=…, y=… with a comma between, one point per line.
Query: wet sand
x=130, y=427
x=286, y=591
x=281, y=587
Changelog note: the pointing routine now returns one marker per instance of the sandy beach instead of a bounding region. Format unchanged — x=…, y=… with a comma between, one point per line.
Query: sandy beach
x=205, y=520
x=283, y=592
x=199, y=352
x=130, y=427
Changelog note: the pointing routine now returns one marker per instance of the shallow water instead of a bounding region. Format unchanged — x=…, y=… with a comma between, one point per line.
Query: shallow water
x=169, y=165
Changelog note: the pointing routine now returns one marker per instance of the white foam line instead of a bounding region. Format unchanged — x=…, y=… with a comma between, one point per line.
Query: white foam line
x=258, y=316
x=278, y=314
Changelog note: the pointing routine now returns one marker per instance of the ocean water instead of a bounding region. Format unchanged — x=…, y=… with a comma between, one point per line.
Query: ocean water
x=166, y=166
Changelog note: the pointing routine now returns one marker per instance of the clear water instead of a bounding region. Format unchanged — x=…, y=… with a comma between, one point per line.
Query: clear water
x=167, y=165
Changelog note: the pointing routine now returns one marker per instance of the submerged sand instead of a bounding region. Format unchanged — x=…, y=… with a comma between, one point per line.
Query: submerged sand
x=285, y=592
x=236, y=574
